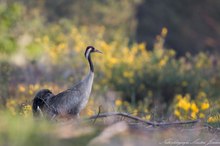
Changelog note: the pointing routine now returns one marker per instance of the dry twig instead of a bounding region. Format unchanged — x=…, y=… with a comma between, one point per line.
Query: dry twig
x=103, y=115
x=97, y=114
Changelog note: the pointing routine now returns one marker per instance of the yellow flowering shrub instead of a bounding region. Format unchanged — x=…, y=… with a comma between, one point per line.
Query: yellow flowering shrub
x=187, y=108
x=141, y=109
x=143, y=76
x=214, y=119
x=21, y=103
x=131, y=68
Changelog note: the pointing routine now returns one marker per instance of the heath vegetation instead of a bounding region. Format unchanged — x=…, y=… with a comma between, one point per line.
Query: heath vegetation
x=42, y=47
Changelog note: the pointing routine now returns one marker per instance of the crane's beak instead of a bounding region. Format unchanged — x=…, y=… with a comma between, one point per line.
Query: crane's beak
x=98, y=51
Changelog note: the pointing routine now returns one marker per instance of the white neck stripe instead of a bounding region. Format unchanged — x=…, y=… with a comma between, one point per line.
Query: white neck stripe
x=88, y=52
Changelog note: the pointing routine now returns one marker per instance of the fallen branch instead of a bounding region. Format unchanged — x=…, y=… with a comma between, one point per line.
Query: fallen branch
x=104, y=115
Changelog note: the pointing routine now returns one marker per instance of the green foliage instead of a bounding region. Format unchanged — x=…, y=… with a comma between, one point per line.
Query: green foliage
x=17, y=131
x=5, y=71
x=10, y=14
x=34, y=50
x=7, y=44
x=51, y=36
x=131, y=69
x=158, y=75
x=20, y=131
x=116, y=16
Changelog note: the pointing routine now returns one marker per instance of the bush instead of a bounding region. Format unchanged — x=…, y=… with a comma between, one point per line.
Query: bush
x=153, y=77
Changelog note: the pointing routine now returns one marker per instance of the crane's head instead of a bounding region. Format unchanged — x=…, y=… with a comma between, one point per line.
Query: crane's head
x=90, y=49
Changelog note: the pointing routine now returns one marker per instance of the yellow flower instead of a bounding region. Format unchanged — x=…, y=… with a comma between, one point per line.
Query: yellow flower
x=90, y=112
x=193, y=115
x=27, y=108
x=184, y=104
x=201, y=115
x=201, y=94
x=194, y=108
x=159, y=52
x=142, y=46
x=118, y=102
x=164, y=32
x=128, y=74
x=162, y=62
x=178, y=96
x=113, y=60
x=211, y=119
x=172, y=52
x=30, y=92
x=46, y=39
x=146, y=110
x=187, y=97
x=62, y=46
x=21, y=88
x=214, y=119
x=135, y=112
x=177, y=113
x=205, y=105
x=147, y=117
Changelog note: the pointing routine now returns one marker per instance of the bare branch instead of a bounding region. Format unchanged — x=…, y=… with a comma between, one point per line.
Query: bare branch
x=103, y=115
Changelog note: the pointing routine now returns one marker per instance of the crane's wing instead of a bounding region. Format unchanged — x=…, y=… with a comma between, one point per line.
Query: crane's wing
x=74, y=99
x=65, y=101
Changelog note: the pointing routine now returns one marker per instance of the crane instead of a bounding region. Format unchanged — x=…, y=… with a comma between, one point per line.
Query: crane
x=69, y=102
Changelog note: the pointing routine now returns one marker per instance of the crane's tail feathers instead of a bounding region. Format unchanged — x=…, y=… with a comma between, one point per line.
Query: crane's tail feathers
x=39, y=102
x=40, y=112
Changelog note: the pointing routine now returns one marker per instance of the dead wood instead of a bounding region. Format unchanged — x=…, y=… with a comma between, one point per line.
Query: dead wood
x=138, y=119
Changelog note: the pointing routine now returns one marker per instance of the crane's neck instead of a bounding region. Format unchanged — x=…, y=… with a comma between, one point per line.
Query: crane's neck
x=90, y=63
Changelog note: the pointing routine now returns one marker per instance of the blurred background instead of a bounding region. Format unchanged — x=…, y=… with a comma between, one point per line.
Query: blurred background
x=160, y=61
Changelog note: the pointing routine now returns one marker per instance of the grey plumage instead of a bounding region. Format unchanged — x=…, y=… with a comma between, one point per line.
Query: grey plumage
x=63, y=103
x=71, y=101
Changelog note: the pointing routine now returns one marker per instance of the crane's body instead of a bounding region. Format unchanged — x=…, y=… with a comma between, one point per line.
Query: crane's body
x=69, y=102
x=73, y=100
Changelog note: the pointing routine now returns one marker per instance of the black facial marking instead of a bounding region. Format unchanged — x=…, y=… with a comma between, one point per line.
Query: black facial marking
x=89, y=47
